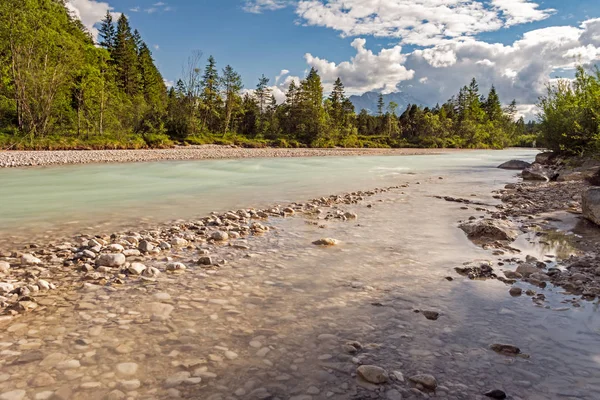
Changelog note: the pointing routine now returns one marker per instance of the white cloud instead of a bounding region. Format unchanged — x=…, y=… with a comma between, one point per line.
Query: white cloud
x=90, y=12
x=420, y=22
x=283, y=73
x=521, y=11
x=134, y=9
x=168, y=83
x=258, y=6
x=156, y=47
x=365, y=71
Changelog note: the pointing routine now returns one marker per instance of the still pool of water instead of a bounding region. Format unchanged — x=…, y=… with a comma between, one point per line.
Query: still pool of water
x=74, y=198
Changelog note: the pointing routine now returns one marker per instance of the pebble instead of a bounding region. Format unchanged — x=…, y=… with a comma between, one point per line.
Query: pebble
x=426, y=380
x=127, y=369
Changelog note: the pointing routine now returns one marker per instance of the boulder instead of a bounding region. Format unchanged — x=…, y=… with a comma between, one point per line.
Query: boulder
x=111, y=260
x=591, y=204
x=536, y=172
x=487, y=230
x=543, y=158
x=515, y=165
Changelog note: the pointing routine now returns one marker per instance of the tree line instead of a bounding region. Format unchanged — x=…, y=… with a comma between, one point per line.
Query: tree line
x=60, y=89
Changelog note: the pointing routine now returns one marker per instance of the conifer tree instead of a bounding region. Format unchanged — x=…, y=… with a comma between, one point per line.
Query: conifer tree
x=126, y=58
x=231, y=83
x=107, y=32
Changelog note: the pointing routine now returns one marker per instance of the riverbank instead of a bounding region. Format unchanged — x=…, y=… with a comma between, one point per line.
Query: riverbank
x=205, y=152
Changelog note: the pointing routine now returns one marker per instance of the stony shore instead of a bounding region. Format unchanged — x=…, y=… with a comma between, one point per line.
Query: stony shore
x=205, y=152
x=535, y=205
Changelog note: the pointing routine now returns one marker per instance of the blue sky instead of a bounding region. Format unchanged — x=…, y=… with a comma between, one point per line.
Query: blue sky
x=425, y=47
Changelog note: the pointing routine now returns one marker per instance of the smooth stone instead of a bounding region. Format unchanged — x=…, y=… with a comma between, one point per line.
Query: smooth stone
x=373, y=374
x=426, y=380
x=177, y=379
x=127, y=369
x=13, y=395
x=111, y=260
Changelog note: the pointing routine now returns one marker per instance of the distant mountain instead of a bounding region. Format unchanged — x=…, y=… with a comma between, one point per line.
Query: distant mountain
x=369, y=100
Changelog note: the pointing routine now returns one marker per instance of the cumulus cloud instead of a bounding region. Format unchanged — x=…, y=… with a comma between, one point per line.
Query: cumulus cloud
x=258, y=6
x=419, y=22
x=365, y=71
x=90, y=12
x=521, y=11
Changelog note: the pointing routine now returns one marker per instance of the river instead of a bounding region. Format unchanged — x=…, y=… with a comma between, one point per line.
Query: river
x=273, y=323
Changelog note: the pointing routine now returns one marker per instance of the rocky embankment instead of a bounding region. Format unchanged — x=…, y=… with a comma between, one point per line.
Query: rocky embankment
x=551, y=184
x=205, y=152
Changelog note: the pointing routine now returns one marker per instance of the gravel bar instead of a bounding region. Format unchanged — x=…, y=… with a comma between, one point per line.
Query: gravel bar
x=10, y=159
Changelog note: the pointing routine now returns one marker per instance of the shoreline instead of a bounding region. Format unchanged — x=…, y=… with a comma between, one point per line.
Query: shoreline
x=19, y=159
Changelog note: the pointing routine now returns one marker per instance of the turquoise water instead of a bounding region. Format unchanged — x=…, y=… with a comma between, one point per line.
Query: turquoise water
x=77, y=197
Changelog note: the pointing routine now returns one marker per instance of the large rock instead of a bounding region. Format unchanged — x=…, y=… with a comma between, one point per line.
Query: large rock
x=487, y=230
x=111, y=260
x=537, y=172
x=515, y=164
x=543, y=158
x=591, y=204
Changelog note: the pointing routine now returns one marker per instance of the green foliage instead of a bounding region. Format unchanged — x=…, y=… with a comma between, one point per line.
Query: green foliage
x=570, y=117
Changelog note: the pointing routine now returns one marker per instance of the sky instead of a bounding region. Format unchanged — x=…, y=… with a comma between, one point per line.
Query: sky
x=426, y=48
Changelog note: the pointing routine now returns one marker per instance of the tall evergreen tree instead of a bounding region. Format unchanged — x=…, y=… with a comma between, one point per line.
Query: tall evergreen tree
x=211, y=99
x=126, y=58
x=231, y=82
x=380, y=105
x=107, y=32
x=263, y=93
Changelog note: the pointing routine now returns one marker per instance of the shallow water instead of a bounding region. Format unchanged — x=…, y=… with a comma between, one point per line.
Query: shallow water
x=75, y=198
x=287, y=311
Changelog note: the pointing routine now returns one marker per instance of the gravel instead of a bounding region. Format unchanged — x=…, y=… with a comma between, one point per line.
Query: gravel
x=205, y=152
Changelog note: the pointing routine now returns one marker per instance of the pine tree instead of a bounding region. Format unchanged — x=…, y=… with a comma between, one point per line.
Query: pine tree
x=380, y=105
x=211, y=100
x=492, y=105
x=107, y=33
x=337, y=99
x=263, y=92
x=126, y=58
x=231, y=82
x=152, y=84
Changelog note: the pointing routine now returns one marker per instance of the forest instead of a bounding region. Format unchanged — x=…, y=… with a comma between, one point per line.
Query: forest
x=59, y=89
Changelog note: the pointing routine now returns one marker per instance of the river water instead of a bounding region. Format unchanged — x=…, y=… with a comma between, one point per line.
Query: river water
x=273, y=325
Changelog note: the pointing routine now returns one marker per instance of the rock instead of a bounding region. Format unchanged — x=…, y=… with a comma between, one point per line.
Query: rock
x=68, y=364
x=110, y=260
x=487, y=230
x=526, y=269
x=506, y=349
x=483, y=271
x=132, y=253
x=205, y=260
x=136, y=268
x=127, y=369
x=431, y=315
x=427, y=381
x=30, y=259
x=350, y=215
x=495, y=394
x=6, y=287
x=591, y=204
x=42, y=379
x=219, y=236
x=543, y=158
x=373, y=374
x=515, y=165
x=230, y=355
x=13, y=395
x=179, y=242
x=4, y=267
x=160, y=311
x=145, y=246
x=536, y=172
x=151, y=272
x=515, y=291
x=326, y=242
x=130, y=385
x=176, y=266
x=117, y=248
x=116, y=395
x=177, y=379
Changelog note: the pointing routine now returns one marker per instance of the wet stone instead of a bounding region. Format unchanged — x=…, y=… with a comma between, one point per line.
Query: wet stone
x=373, y=374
